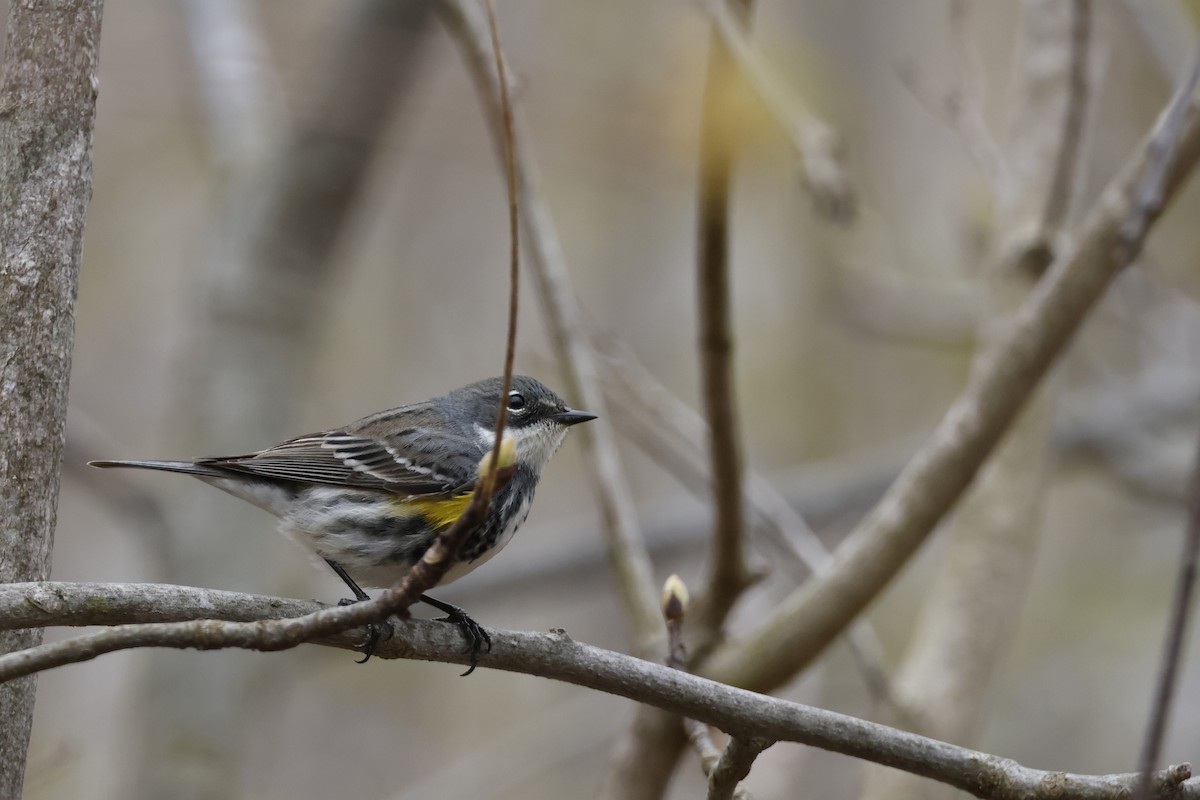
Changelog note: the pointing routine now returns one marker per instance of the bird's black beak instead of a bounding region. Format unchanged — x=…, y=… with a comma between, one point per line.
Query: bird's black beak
x=569, y=416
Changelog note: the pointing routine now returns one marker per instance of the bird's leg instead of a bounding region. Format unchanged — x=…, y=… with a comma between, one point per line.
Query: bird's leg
x=374, y=629
x=477, y=637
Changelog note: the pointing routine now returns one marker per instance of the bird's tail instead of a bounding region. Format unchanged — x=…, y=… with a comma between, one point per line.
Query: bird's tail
x=186, y=467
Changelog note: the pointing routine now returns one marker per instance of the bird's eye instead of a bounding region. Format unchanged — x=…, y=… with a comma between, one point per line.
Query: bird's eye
x=516, y=401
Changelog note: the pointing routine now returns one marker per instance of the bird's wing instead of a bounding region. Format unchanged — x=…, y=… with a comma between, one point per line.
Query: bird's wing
x=414, y=460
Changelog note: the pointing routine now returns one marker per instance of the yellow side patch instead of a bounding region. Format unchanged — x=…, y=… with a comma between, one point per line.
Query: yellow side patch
x=441, y=511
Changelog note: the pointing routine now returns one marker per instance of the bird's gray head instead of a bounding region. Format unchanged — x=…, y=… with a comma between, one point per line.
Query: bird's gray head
x=537, y=418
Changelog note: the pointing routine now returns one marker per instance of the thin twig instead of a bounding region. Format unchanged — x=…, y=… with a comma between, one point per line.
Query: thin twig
x=668, y=430
x=964, y=102
x=733, y=767
x=514, y=252
x=1150, y=196
x=738, y=712
x=1066, y=163
x=628, y=556
x=1003, y=379
x=674, y=609
x=1181, y=607
x=728, y=576
x=815, y=142
x=970, y=609
x=1151, y=192
x=959, y=106
x=672, y=432
x=442, y=554
x=701, y=741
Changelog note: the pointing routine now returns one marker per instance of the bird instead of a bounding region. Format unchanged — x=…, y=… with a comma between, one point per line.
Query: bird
x=370, y=497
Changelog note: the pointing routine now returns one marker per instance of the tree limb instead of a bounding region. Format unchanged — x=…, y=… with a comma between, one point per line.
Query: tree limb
x=1003, y=379
x=555, y=655
x=970, y=612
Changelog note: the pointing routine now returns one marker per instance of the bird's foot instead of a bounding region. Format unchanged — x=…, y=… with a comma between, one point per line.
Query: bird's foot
x=375, y=631
x=476, y=636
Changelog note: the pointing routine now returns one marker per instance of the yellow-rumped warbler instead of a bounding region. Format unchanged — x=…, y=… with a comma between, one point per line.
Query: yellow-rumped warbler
x=370, y=497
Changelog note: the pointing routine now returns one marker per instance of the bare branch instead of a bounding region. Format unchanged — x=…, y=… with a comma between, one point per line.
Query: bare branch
x=668, y=430
x=734, y=766
x=965, y=101
x=728, y=576
x=959, y=105
x=1070, y=143
x=1003, y=379
x=501, y=460
x=514, y=255
x=969, y=613
x=815, y=142
x=674, y=608
x=1181, y=607
x=628, y=556
x=738, y=712
x=1153, y=189
x=701, y=741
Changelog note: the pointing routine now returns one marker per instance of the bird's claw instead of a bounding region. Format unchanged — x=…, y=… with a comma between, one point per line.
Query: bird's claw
x=476, y=636
x=374, y=633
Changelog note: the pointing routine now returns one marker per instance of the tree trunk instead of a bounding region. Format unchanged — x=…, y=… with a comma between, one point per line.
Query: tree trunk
x=47, y=110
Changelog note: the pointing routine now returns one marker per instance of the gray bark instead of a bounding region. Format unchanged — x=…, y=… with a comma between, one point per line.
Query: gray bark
x=47, y=110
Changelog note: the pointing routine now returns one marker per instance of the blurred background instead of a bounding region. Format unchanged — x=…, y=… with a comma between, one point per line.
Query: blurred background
x=298, y=218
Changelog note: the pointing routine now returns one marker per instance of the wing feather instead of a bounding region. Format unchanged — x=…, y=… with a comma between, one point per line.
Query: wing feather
x=410, y=461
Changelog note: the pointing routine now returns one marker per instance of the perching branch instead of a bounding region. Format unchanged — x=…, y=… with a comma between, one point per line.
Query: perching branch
x=268, y=632
x=738, y=712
